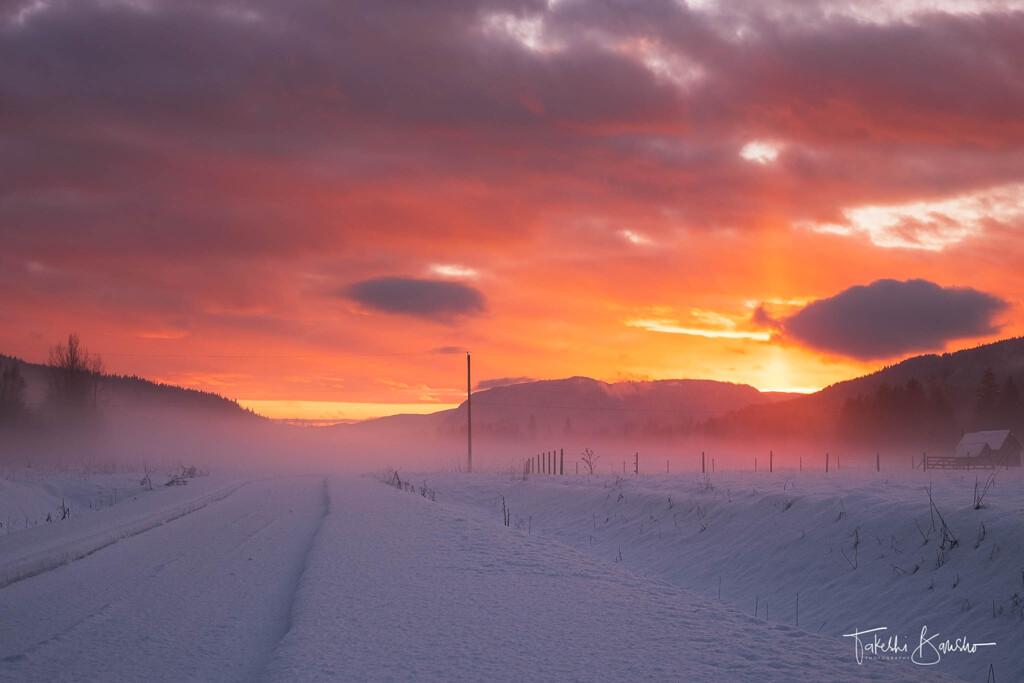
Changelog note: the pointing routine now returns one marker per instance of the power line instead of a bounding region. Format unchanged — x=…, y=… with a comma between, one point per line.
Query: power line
x=232, y=406
x=259, y=356
x=334, y=356
x=317, y=356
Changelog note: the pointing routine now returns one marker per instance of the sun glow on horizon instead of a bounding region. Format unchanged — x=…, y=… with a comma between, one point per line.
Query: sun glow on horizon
x=787, y=389
x=339, y=411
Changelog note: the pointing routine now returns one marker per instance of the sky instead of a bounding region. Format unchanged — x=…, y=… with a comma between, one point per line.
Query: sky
x=317, y=208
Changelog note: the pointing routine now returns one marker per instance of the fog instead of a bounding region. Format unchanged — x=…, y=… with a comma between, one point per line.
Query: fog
x=650, y=427
x=164, y=438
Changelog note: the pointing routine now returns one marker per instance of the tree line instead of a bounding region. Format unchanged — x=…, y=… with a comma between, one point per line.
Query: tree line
x=905, y=413
x=910, y=413
x=72, y=388
x=76, y=391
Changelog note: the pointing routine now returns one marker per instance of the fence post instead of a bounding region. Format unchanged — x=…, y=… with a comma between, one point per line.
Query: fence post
x=561, y=461
x=826, y=463
x=878, y=462
x=771, y=461
x=702, y=470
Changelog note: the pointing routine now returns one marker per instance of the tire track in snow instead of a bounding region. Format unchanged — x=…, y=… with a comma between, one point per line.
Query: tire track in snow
x=288, y=617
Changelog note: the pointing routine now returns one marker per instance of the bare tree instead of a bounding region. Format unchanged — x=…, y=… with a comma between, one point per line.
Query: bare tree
x=12, y=391
x=74, y=375
x=589, y=459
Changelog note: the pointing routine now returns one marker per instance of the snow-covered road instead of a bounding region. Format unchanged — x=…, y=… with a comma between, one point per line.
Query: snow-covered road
x=203, y=597
x=346, y=579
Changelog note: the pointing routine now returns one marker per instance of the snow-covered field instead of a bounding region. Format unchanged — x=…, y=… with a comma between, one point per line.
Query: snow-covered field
x=675, y=577
x=853, y=550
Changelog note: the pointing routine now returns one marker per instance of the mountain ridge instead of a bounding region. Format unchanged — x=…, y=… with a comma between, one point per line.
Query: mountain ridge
x=582, y=406
x=951, y=381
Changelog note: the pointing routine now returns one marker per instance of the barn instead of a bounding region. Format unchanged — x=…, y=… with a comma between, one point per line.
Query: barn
x=997, y=447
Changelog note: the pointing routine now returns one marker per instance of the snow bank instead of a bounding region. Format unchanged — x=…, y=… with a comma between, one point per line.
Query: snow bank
x=46, y=546
x=28, y=495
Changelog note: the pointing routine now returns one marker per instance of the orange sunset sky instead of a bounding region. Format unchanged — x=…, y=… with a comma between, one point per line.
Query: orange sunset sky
x=318, y=208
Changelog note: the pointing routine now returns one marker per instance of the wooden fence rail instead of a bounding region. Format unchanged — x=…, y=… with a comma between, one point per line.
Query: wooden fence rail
x=950, y=462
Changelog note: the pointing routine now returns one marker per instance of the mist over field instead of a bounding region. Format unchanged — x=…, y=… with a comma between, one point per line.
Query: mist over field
x=895, y=416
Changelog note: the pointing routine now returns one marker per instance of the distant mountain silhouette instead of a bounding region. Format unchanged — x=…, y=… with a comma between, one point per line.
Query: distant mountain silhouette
x=582, y=406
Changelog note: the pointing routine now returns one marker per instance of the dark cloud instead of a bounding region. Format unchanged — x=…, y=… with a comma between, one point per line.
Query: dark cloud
x=449, y=350
x=433, y=299
x=762, y=318
x=502, y=382
x=890, y=317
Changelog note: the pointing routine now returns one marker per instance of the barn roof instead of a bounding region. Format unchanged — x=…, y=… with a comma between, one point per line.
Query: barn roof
x=973, y=443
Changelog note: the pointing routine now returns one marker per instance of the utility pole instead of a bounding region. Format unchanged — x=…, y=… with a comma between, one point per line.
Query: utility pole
x=469, y=415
